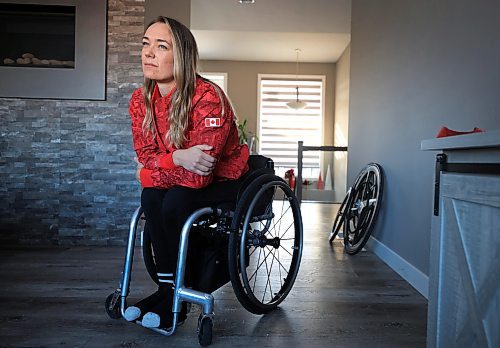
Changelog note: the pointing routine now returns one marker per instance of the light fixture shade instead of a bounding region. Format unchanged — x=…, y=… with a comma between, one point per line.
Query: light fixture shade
x=296, y=104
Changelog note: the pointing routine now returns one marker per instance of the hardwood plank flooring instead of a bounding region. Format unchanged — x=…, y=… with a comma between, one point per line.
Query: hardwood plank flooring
x=54, y=297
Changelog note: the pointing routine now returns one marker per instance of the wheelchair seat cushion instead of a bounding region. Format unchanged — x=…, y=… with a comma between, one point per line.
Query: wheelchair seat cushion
x=257, y=165
x=229, y=191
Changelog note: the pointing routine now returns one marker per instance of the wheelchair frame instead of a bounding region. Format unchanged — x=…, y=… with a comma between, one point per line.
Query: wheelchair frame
x=240, y=230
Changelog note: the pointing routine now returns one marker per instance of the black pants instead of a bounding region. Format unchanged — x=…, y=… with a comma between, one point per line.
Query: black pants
x=166, y=210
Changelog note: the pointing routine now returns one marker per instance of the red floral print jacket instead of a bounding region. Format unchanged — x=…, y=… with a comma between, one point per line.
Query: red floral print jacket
x=206, y=125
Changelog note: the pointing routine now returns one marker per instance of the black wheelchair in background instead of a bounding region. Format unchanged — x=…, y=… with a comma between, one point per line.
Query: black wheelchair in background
x=255, y=242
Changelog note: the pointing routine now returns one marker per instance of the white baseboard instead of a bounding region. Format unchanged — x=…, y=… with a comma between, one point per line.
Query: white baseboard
x=412, y=275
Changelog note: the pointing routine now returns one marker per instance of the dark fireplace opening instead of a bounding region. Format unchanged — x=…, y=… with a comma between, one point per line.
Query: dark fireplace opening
x=41, y=36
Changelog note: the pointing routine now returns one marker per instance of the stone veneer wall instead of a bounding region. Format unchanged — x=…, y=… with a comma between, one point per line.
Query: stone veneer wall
x=67, y=166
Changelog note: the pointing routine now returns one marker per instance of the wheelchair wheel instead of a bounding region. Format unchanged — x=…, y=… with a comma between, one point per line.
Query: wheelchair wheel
x=339, y=218
x=205, y=327
x=363, y=208
x=112, y=305
x=265, y=244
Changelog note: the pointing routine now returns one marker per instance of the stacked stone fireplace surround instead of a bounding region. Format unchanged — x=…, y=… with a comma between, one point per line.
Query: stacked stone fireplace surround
x=67, y=165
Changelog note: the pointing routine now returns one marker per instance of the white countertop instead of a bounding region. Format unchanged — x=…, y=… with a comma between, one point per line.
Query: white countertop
x=486, y=139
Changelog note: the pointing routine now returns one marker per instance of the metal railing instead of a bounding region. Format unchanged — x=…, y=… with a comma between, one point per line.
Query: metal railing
x=302, y=148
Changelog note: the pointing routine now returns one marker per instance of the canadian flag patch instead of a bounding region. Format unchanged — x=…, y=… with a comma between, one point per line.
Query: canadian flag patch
x=212, y=122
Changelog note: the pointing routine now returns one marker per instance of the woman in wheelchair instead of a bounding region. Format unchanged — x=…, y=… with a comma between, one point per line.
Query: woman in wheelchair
x=188, y=155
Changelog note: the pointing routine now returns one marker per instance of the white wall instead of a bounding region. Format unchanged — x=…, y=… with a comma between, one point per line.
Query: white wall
x=341, y=124
x=179, y=10
x=416, y=66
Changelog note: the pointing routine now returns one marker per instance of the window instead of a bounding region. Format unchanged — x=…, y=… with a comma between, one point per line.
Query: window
x=280, y=128
x=219, y=79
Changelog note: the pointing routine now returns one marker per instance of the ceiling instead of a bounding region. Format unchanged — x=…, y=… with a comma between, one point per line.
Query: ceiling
x=271, y=30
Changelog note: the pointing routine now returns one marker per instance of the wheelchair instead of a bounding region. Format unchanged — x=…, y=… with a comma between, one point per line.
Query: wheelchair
x=254, y=242
x=359, y=209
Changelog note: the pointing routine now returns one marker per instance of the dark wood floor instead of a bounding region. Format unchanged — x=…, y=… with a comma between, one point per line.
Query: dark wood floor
x=54, y=297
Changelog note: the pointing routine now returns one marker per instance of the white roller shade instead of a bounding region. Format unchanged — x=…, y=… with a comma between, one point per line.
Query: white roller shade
x=280, y=128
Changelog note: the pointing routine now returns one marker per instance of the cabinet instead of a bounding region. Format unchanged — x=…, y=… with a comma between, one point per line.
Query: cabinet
x=464, y=274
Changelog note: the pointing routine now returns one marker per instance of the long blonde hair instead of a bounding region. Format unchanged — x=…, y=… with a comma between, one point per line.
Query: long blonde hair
x=185, y=68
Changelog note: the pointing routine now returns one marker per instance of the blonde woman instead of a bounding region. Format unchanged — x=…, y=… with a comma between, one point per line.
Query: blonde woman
x=188, y=155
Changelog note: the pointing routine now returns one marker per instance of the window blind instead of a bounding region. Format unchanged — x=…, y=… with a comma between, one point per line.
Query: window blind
x=280, y=128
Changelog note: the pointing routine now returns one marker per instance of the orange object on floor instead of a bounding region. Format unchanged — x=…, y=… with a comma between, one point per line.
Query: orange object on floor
x=446, y=132
x=320, y=182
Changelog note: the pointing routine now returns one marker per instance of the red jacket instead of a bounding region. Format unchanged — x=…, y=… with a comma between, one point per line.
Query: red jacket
x=206, y=126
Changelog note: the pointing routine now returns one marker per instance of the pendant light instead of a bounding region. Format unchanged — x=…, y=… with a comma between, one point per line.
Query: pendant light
x=297, y=104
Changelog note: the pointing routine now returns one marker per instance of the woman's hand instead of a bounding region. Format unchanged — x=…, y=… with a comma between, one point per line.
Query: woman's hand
x=195, y=160
x=138, y=170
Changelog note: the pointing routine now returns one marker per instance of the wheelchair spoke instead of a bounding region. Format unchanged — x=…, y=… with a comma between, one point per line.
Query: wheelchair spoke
x=268, y=270
x=282, y=207
x=289, y=253
x=282, y=215
x=274, y=269
x=275, y=274
x=291, y=225
x=279, y=269
x=255, y=280
x=281, y=264
x=259, y=265
x=251, y=253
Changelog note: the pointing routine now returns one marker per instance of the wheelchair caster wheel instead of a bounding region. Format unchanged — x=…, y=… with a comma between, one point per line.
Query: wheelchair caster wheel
x=205, y=326
x=112, y=306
